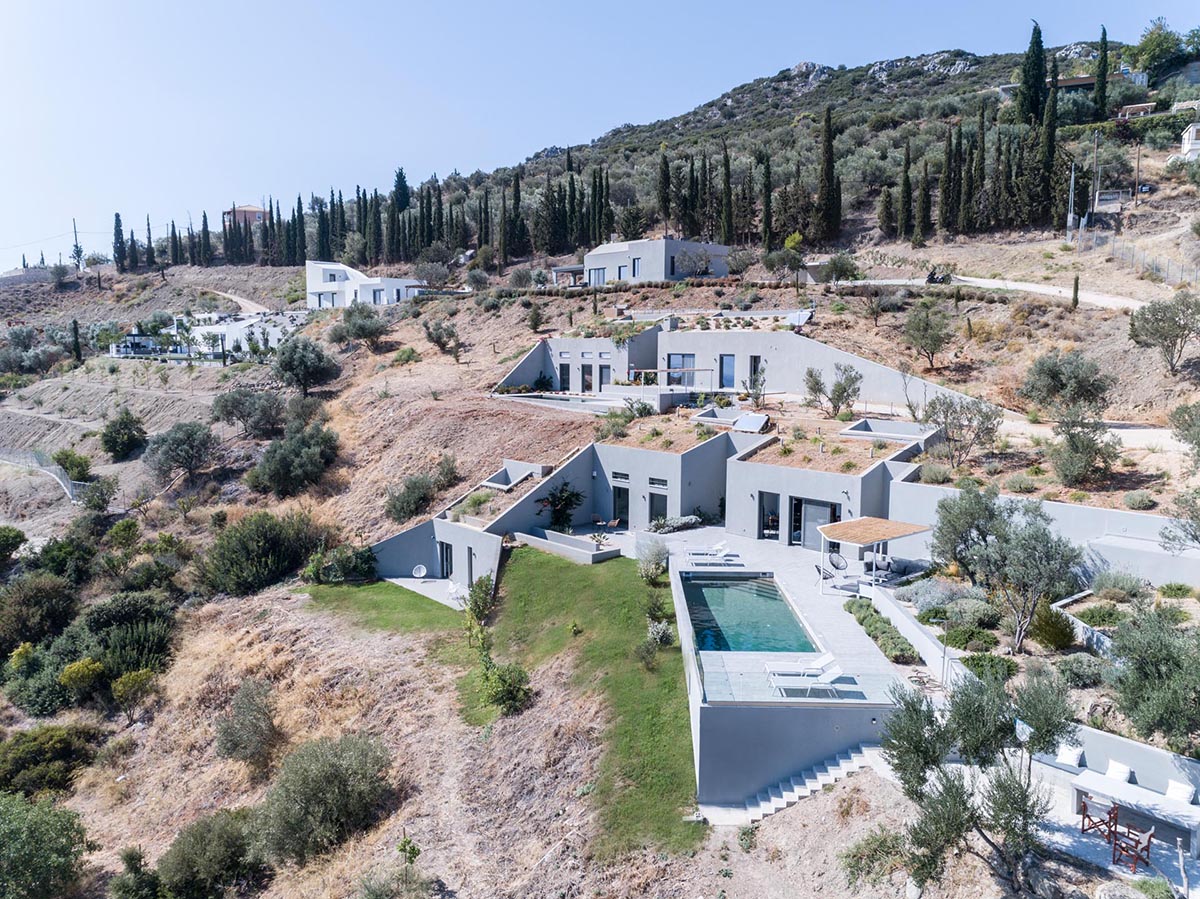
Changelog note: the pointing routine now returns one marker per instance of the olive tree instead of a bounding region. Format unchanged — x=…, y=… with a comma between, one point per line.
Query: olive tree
x=965, y=522
x=300, y=362
x=965, y=423
x=842, y=394
x=186, y=446
x=927, y=330
x=1062, y=381
x=41, y=847
x=1167, y=326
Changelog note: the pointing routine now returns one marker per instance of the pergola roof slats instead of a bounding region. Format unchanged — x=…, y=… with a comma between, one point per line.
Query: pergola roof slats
x=869, y=531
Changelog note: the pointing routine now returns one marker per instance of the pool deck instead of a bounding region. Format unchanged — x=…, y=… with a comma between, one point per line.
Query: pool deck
x=741, y=677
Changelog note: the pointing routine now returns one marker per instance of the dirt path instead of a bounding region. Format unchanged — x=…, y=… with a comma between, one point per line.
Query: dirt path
x=245, y=304
x=1102, y=300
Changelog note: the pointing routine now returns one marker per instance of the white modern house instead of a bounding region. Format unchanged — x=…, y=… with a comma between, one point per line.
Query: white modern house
x=1190, y=142
x=332, y=285
x=656, y=259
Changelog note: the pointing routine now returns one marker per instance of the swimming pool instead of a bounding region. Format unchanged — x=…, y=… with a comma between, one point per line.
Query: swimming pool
x=742, y=614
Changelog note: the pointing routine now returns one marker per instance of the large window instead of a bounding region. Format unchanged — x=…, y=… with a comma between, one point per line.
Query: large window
x=595, y=277
x=637, y=266
x=377, y=296
x=658, y=506
x=682, y=367
x=727, y=372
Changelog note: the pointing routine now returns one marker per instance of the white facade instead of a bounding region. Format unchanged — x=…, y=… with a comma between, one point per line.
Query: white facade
x=661, y=259
x=1191, y=142
x=332, y=285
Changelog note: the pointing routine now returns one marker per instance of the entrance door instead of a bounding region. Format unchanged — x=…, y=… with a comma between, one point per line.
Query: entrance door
x=446, y=558
x=658, y=506
x=727, y=379
x=768, y=515
x=586, y=372
x=605, y=375
x=620, y=505
x=806, y=516
x=564, y=376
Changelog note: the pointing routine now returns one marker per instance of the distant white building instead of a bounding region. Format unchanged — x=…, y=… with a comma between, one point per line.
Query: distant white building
x=333, y=285
x=1191, y=142
x=659, y=259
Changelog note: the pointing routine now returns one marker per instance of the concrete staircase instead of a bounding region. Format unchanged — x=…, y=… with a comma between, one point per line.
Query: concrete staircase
x=788, y=792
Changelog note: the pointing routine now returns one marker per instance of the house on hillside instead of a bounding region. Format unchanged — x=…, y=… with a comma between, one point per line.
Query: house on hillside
x=1190, y=144
x=331, y=285
x=1135, y=111
x=655, y=259
x=243, y=215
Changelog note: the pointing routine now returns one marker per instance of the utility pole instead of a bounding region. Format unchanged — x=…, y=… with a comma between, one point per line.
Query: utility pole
x=1071, y=202
x=1137, y=177
x=1095, y=169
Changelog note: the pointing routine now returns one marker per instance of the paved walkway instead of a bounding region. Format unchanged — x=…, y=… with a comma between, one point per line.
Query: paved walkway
x=1090, y=297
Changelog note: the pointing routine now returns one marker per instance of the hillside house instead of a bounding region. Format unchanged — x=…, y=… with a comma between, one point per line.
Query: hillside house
x=331, y=285
x=1190, y=143
x=243, y=215
x=655, y=259
x=1135, y=111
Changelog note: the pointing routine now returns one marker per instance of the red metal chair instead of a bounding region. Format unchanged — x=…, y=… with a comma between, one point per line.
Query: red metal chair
x=1132, y=846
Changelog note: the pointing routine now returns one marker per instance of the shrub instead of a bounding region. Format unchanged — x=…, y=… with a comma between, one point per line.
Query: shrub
x=653, y=556
x=295, y=462
x=42, y=848
x=1140, y=500
x=933, y=591
x=1081, y=670
x=11, y=539
x=1175, y=590
x=875, y=857
x=660, y=632
x=259, y=550
x=1051, y=628
x=82, y=677
x=410, y=499
x=77, y=466
x=674, y=523
x=45, y=757
x=481, y=599
x=123, y=435
x=326, y=791
x=209, y=857
x=1020, y=483
x=1115, y=579
x=972, y=613
x=934, y=473
x=986, y=666
x=340, y=564
x=248, y=733
x=1106, y=614
x=186, y=446
x=889, y=640
x=969, y=638
x=446, y=474
x=131, y=690
x=69, y=557
x=646, y=653
x=137, y=880
x=932, y=615
x=34, y=606
x=506, y=687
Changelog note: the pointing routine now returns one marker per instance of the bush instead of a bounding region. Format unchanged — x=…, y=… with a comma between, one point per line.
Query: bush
x=34, y=606
x=11, y=539
x=1106, y=614
x=125, y=609
x=209, y=857
x=1081, y=670
x=446, y=474
x=68, y=557
x=41, y=850
x=123, y=436
x=481, y=599
x=972, y=613
x=889, y=640
x=932, y=615
x=295, y=462
x=326, y=791
x=1140, y=500
x=653, y=556
x=1114, y=579
x=45, y=757
x=340, y=564
x=986, y=666
x=1020, y=483
x=411, y=499
x=660, y=632
x=934, y=591
x=186, y=446
x=674, y=523
x=934, y=473
x=507, y=687
x=646, y=653
x=1051, y=628
x=77, y=466
x=969, y=638
x=136, y=880
x=1175, y=590
x=259, y=550
x=248, y=733
x=875, y=857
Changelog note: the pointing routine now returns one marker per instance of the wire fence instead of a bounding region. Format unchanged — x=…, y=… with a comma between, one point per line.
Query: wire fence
x=40, y=461
x=1126, y=252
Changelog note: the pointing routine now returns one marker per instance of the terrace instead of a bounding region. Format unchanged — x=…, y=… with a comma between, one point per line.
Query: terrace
x=821, y=445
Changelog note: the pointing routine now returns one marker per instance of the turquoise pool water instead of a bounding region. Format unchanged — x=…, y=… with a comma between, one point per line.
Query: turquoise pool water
x=746, y=614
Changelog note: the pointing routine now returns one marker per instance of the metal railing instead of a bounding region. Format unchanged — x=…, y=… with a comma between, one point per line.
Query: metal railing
x=39, y=461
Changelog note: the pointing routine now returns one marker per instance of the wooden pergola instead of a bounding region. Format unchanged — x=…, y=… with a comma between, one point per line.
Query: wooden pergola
x=866, y=532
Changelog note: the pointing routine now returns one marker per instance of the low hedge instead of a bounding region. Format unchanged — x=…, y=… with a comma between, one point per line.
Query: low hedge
x=889, y=640
x=983, y=665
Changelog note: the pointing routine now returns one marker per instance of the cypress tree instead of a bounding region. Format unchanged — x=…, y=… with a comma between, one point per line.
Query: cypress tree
x=150, y=260
x=323, y=234
x=904, y=206
x=886, y=213
x=132, y=252
x=503, y=228
x=607, y=221
x=77, y=350
x=726, y=198
x=173, y=242
x=391, y=251
x=947, y=211
x=921, y=223
x=966, y=198
x=401, y=195
x=439, y=213
x=118, y=243
x=766, y=203
x=572, y=208
x=301, y=236
x=1100, y=92
x=248, y=243
x=664, y=190
x=1046, y=142
x=568, y=160
x=1031, y=91
x=206, y=250
x=828, y=204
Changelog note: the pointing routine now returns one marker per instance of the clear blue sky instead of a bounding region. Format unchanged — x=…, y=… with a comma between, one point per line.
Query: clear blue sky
x=169, y=108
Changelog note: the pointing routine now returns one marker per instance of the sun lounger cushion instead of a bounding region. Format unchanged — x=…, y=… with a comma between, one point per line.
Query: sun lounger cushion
x=1069, y=755
x=1118, y=771
x=1180, y=791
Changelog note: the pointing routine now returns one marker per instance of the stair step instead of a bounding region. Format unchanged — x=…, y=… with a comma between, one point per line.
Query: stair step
x=788, y=792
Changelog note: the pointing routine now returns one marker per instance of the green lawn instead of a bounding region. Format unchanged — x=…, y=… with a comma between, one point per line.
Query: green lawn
x=647, y=780
x=385, y=606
